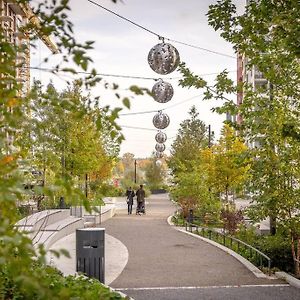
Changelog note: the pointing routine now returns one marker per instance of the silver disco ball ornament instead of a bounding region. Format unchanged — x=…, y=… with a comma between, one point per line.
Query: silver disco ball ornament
x=160, y=137
x=160, y=147
x=158, y=163
x=158, y=154
x=162, y=91
x=161, y=120
x=163, y=58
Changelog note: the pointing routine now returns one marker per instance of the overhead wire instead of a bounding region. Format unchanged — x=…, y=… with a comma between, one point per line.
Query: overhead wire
x=141, y=128
x=152, y=111
x=183, y=101
x=54, y=71
x=104, y=74
x=139, y=113
x=158, y=35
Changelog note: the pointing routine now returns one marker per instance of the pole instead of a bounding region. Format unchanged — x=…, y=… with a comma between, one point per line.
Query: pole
x=135, y=171
x=209, y=136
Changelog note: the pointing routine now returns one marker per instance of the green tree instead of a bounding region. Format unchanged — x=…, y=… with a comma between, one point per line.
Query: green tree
x=155, y=173
x=66, y=142
x=190, y=174
x=191, y=137
x=192, y=191
x=230, y=163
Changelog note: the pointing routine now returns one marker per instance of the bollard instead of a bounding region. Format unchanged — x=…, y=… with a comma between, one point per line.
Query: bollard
x=191, y=216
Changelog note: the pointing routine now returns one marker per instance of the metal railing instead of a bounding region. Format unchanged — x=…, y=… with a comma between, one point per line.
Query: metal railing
x=250, y=253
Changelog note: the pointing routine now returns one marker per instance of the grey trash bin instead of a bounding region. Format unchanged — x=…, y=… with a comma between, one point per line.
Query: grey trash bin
x=90, y=252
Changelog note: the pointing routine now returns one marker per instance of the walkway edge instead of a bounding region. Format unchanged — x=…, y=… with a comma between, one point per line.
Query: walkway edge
x=288, y=278
x=258, y=273
x=118, y=292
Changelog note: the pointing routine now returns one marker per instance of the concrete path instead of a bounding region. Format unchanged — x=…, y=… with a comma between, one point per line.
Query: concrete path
x=166, y=262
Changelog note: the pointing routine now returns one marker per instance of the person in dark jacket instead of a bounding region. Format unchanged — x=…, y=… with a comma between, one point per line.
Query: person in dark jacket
x=140, y=194
x=130, y=194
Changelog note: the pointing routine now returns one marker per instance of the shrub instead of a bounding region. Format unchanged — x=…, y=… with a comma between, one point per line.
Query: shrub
x=53, y=285
x=277, y=247
x=231, y=219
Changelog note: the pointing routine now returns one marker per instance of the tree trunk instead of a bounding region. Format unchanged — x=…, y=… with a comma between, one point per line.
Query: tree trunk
x=226, y=191
x=297, y=261
x=272, y=225
x=296, y=255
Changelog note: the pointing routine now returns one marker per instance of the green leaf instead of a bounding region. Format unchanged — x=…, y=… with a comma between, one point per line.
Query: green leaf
x=126, y=102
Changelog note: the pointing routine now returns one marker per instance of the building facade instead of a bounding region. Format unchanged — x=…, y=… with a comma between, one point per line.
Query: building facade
x=13, y=18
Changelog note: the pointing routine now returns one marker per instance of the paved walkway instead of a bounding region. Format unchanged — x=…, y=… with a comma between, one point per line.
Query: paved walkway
x=162, y=258
x=148, y=259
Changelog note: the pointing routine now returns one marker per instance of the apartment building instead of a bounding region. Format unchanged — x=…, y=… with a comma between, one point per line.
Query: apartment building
x=14, y=16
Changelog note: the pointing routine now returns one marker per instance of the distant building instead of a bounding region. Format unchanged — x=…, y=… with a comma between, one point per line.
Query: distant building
x=13, y=17
x=230, y=117
x=253, y=78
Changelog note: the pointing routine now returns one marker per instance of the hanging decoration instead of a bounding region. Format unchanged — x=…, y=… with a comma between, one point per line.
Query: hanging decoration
x=158, y=163
x=163, y=58
x=161, y=137
x=158, y=154
x=161, y=120
x=162, y=91
x=160, y=147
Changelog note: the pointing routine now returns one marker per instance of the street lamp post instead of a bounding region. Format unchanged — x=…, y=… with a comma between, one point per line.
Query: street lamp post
x=209, y=136
x=135, y=171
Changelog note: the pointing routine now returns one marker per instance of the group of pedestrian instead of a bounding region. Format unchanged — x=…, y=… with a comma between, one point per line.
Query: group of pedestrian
x=140, y=200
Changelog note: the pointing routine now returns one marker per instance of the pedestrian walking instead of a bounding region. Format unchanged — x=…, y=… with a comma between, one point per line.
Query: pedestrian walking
x=130, y=194
x=140, y=194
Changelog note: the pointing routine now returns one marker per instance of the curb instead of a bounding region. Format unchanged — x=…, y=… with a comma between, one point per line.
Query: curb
x=289, y=279
x=118, y=292
x=169, y=221
x=258, y=273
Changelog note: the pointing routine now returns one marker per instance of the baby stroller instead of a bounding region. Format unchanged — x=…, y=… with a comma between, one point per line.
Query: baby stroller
x=140, y=209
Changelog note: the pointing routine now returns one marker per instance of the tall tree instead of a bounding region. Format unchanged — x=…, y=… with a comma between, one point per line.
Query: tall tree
x=155, y=173
x=230, y=163
x=191, y=137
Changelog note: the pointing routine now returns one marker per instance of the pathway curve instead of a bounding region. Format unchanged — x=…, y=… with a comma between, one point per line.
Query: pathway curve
x=162, y=258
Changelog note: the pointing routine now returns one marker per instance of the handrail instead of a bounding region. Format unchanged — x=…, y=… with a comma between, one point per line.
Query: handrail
x=249, y=246
x=239, y=242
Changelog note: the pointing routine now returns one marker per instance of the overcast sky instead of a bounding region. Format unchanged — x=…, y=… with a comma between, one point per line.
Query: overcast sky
x=121, y=48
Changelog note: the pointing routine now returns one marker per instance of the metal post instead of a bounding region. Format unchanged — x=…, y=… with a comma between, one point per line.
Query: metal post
x=209, y=136
x=191, y=216
x=135, y=171
x=100, y=216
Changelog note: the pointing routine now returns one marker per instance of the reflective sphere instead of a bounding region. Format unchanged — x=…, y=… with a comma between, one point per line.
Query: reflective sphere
x=162, y=91
x=161, y=120
x=163, y=58
x=158, y=163
x=161, y=137
x=158, y=154
x=160, y=147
